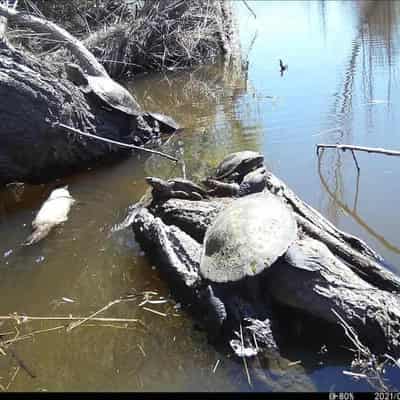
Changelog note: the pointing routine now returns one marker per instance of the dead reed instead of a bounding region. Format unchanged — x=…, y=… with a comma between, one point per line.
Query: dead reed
x=131, y=37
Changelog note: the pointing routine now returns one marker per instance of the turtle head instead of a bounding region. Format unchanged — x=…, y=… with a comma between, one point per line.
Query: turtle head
x=252, y=162
x=236, y=165
x=75, y=74
x=159, y=185
x=254, y=182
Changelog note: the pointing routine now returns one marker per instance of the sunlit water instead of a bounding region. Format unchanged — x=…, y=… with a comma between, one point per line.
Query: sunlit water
x=341, y=86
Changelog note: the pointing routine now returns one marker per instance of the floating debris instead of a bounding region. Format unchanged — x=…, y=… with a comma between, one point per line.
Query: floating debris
x=293, y=363
x=8, y=253
x=141, y=350
x=155, y=312
x=67, y=300
x=216, y=366
x=53, y=212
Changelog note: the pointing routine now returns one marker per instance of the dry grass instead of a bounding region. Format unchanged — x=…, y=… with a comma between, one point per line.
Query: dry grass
x=166, y=35
x=131, y=37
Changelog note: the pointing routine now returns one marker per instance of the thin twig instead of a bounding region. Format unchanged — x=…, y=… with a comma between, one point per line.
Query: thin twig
x=355, y=160
x=344, y=147
x=249, y=8
x=243, y=357
x=155, y=312
x=141, y=350
x=13, y=378
x=30, y=335
x=355, y=374
x=131, y=146
x=106, y=307
x=216, y=366
x=26, y=318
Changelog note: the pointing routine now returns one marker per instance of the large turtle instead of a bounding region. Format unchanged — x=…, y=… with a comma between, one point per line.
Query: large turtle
x=106, y=89
x=117, y=97
x=236, y=165
x=245, y=239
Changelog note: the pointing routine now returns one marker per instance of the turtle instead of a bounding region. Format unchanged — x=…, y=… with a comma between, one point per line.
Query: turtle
x=117, y=97
x=106, y=89
x=255, y=181
x=247, y=237
x=243, y=242
x=236, y=165
x=175, y=188
x=166, y=124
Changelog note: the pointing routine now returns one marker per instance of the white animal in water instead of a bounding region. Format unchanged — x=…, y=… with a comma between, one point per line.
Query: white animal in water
x=53, y=212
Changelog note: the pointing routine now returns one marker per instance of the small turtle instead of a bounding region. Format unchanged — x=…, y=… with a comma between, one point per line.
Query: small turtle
x=166, y=124
x=175, y=188
x=236, y=165
x=255, y=181
x=106, y=89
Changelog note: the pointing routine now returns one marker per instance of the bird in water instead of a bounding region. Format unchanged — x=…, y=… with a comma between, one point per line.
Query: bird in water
x=283, y=67
x=53, y=212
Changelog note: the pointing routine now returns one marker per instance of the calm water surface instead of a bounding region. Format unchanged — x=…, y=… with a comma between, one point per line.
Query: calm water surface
x=341, y=87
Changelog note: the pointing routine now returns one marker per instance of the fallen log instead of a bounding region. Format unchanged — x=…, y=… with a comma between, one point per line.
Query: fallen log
x=35, y=101
x=330, y=276
x=32, y=99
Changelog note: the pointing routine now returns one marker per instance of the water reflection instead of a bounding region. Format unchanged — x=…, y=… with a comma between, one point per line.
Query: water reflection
x=336, y=197
x=210, y=103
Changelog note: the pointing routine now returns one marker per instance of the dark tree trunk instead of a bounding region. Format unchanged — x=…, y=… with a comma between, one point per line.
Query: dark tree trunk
x=32, y=98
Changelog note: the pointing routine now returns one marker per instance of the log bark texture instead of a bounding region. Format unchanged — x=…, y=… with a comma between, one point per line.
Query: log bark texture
x=35, y=100
x=32, y=98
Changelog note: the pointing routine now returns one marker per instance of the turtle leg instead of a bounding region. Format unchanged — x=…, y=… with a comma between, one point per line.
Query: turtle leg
x=215, y=312
x=179, y=194
x=296, y=257
x=222, y=189
x=196, y=196
x=234, y=177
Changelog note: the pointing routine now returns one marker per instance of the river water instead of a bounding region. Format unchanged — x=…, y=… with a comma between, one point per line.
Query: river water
x=341, y=86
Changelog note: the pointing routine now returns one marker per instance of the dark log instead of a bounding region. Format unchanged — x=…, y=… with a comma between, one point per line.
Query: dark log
x=342, y=277
x=32, y=98
x=373, y=313
x=35, y=100
x=359, y=256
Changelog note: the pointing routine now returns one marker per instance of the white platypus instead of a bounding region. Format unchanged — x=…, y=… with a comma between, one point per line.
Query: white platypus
x=53, y=212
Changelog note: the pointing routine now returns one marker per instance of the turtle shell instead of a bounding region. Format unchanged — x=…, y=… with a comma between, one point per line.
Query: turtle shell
x=114, y=94
x=164, y=120
x=242, y=161
x=247, y=237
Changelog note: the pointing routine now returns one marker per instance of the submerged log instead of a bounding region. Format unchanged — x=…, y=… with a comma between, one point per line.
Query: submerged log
x=343, y=276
